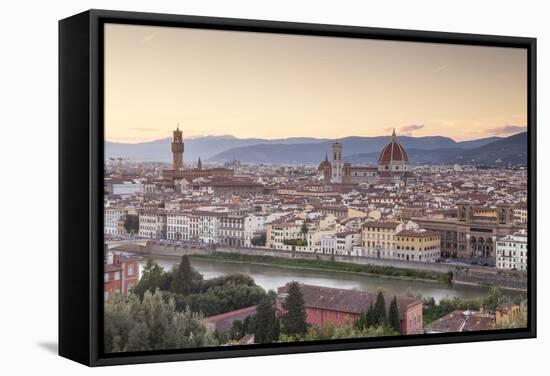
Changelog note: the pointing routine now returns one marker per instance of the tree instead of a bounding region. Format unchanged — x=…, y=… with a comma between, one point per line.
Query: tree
x=304, y=228
x=294, y=320
x=131, y=224
x=182, y=277
x=371, y=320
x=332, y=331
x=295, y=242
x=138, y=340
x=151, y=279
x=394, y=321
x=225, y=298
x=152, y=323
x=265, y=321
x=494, y=298
x=380, y=316
x=361, y=322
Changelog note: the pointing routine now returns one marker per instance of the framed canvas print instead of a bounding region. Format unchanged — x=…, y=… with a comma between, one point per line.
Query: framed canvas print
x=236, y=187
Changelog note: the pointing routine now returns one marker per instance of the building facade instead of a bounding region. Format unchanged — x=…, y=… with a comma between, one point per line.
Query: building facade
x=418, y=245
x=326, y=305
x=111, y=216
x=177, y=226
x=120, y=275
x=152, y=224
x=340, y=243
x=279, y=231
x=232, y=230
x=469, y=236
x=379, y=238
x=512, y=252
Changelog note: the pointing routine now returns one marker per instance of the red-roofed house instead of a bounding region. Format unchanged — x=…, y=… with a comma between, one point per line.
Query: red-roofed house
x=340, y=306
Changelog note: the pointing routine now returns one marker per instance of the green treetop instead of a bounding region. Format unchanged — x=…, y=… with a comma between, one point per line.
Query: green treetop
x=380, y=316
x=294, y=320
x=394, y=321
x=182, y=277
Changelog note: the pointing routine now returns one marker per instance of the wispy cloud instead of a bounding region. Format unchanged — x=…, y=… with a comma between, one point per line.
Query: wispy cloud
x=440, y=68
x=409, y=129
x=149, y=37
x=506, y=130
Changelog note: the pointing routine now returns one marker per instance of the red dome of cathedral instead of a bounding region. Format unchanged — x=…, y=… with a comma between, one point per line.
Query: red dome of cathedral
x=393, y=152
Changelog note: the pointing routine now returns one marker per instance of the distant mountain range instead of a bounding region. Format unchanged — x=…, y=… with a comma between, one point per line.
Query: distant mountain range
x=503, y=151
x=204, y=147
x=303, y=150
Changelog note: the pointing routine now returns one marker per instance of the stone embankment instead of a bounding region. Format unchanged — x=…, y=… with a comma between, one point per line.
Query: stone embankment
x=475, y=275
x=510, y=280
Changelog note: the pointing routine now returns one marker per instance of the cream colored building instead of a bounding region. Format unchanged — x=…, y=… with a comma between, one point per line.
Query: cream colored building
x=314, y=238
x=111, y=216
x=418, y=245
x=378, y=238
x=277, y=233
x=152, y=224
x=520, y=214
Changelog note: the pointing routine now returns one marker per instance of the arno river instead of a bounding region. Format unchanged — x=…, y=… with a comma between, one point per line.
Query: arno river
x=271, y=277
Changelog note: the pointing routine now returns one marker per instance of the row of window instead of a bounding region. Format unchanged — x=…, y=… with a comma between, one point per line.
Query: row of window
x=502, y=252
x=513, y=245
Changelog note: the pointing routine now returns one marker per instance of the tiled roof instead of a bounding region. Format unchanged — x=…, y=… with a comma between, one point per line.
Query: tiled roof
x=350, y=301
x=463, y=321
x=224, y=321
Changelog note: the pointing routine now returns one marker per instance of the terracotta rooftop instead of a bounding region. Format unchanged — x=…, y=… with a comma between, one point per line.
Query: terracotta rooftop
x=350, y=301
x=393, y=152
x=463, y=321
x=382, y=224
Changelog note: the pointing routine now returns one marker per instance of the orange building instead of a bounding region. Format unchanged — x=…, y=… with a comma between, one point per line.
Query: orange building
x=120, y=275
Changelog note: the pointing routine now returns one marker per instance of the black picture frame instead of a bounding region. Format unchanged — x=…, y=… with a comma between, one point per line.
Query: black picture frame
x=81, y=184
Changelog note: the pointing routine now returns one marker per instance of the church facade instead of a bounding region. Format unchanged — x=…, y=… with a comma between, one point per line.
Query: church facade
x=393, y=166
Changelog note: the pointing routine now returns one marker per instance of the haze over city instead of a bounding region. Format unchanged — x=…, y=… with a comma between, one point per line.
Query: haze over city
x=277, y=86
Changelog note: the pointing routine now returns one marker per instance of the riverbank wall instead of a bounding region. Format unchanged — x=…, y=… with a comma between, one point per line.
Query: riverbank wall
x=473, y=275
x=506, y=280
x=166, y=249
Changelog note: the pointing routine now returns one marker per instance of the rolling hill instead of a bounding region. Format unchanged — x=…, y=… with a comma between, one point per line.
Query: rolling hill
x=307, y=150
x=355, y=149
x=505, y=151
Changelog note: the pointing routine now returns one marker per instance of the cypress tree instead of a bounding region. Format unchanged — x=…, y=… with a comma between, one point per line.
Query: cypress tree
x=294, y=320
x=380, y=316
x=182, y=280
x=394, y=321
x=371, y=320
x=265, y=321
x=361, y=323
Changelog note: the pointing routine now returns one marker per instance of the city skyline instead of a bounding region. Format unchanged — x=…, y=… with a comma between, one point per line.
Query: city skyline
x=318, y=86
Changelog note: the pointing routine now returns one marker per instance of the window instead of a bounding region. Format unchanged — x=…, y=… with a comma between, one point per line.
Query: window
x=131, y=269
x=106, y=277
x=117, y=276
